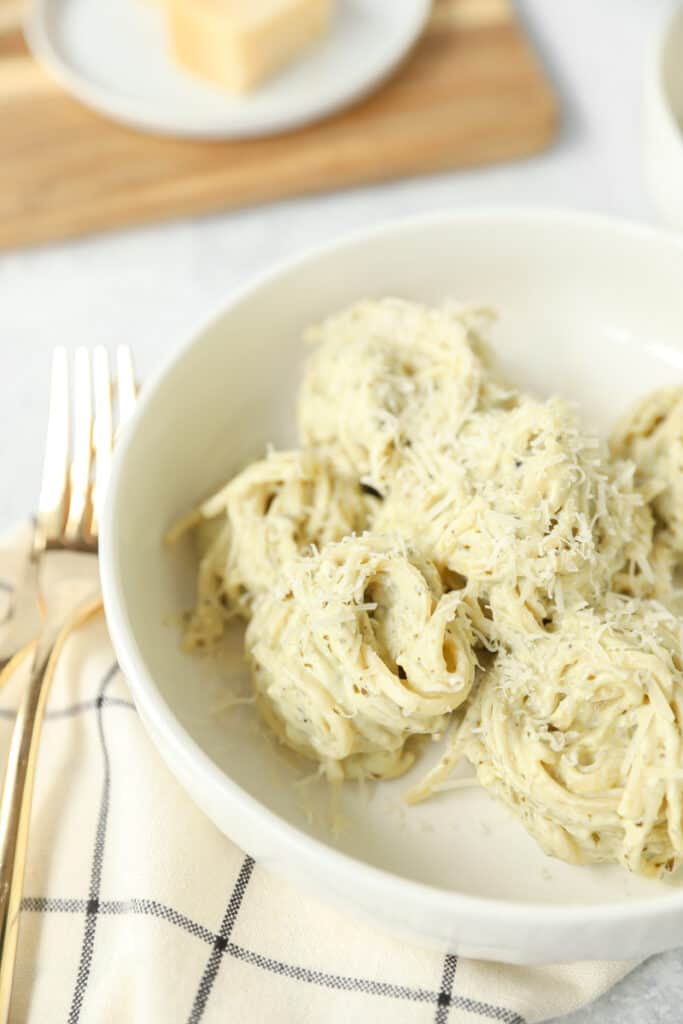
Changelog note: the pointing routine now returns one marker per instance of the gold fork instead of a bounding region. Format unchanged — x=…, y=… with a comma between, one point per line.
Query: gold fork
x=75, y=473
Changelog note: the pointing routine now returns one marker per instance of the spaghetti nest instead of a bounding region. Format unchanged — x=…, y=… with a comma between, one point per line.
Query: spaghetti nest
x=273, y=510
x=388, y=375
x=651, y=435
x=445, y=551
x=357, y=652
x=526, y=506
x=579, y=733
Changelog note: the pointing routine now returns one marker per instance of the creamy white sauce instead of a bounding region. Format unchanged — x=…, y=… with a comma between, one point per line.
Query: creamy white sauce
x=446, y=553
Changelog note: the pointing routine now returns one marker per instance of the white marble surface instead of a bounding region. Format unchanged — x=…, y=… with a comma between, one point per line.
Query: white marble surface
x=149, y=287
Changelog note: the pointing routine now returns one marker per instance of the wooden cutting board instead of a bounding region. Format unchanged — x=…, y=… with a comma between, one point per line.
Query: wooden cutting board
x=471, y=92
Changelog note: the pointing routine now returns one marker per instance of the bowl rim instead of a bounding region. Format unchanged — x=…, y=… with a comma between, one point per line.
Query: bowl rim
x=156, y=713
x=655, y=71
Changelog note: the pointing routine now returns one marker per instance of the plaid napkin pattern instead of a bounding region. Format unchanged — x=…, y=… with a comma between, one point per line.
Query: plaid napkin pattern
x=137, y=909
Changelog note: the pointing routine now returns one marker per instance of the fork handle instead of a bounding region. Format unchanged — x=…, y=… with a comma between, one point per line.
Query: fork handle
x=17, y=790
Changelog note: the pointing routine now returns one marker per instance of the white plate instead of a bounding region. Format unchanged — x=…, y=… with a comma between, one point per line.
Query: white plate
x=590, y=309
x=112, y=55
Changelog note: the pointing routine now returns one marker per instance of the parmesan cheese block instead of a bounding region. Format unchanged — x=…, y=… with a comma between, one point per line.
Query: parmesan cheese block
x=236, y=44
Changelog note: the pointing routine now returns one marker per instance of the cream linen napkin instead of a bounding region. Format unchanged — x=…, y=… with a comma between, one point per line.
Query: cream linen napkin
x=137, y=909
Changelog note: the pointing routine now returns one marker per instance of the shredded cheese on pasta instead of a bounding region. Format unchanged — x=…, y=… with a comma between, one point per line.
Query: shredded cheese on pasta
x=527, y=507
x=448, y=555
x=579, y=733
x=651, y=435
x=276, y=508
x=391, y=374
x=356, y=652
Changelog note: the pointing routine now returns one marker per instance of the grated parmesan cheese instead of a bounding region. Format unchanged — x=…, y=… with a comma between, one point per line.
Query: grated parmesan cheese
x=651, y=435
x=608, y=682
x=352, y=688
x=387, y=375
x=447, y=555
x=279, y=506
x=527, y=507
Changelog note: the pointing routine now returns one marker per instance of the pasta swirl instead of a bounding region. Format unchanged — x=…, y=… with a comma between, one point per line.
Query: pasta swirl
x=388, y=375
x=358, y=651
x=651, y=435
x=446, y=553
x=579, y=733
x=271, y=511
x=527, y=508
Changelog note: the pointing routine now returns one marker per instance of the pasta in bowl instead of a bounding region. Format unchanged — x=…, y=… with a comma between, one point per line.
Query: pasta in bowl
x=579, y=733
x=357, y=652
x=457, y=869
x=446, y=550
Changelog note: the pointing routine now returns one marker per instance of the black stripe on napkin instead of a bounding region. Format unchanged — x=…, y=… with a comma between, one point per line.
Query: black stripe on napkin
x=487, y=1010
x=72, y=710
x=133, y=907
x=445, y=999
x=152, y=908
x=222, y=942
x=92, y=906
x=339, y=982
x=51, y=905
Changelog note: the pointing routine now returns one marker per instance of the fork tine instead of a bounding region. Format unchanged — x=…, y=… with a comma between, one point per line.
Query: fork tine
x=125, y=379
x=54, y=484
x=79, y=475
x=102, y=433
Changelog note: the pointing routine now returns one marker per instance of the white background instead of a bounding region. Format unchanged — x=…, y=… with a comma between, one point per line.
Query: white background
x=149, y=287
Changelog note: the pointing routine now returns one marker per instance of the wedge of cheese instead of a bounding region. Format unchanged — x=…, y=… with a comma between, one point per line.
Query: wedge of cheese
x=239, y=43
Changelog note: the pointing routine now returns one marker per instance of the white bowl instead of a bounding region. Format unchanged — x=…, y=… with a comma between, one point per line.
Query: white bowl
x=590, y=309
x=663, y=111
